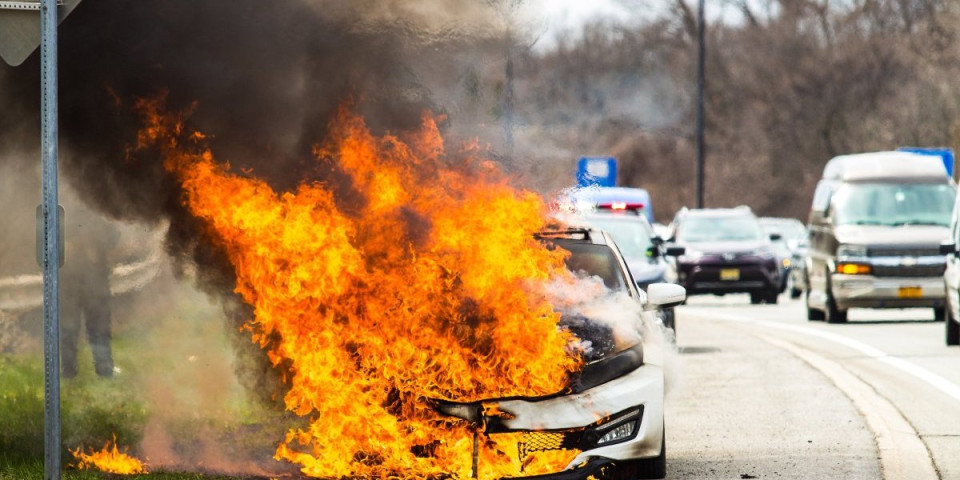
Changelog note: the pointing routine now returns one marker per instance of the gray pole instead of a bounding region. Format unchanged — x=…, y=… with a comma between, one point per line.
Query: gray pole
x=51, y=248
x=701, y=54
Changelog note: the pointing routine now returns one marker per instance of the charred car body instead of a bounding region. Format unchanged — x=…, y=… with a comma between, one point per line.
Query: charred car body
x=876, y=225
x=622, y=387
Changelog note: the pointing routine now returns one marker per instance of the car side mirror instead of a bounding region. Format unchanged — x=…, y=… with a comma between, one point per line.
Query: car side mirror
x=775, y=237
x=664, y=295
x=675, y=251
x=948, y=248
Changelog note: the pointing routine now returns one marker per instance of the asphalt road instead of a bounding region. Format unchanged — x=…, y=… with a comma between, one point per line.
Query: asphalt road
x=761, y=392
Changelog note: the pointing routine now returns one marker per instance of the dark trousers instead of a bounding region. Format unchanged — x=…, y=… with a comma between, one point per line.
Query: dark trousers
x=95, y=313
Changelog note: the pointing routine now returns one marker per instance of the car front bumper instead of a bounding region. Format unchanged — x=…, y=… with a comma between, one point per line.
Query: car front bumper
x=641, y=389
x=868, y=291
x=707, y=278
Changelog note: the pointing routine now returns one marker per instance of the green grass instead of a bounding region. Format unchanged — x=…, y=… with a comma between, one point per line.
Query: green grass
x=177, y=371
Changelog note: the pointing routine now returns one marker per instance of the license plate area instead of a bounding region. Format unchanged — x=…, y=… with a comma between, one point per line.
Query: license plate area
x=730, y=274
x=910, y=292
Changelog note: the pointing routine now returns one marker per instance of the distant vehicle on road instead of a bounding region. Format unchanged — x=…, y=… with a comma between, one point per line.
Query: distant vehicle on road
x=613, y=198
x=951, y=278
x=876, y=225
x=726, y=252
x=612, y=411
x=791, y=249
x=645, y=252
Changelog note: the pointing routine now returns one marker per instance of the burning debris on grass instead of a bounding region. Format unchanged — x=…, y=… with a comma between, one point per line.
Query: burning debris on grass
x=109, y=459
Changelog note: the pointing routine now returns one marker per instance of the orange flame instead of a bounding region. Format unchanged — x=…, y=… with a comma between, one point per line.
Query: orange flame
x=109, y=459
x=427, y=284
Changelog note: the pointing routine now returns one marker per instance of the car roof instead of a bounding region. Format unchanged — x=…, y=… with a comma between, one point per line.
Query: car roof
x=883, y=165
x=718, y=212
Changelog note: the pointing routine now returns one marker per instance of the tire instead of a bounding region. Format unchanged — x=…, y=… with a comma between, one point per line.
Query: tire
x=772, y=297
x=756, y=298
x=653, y=467
x=795, y=293
x=939, y=313
x=952, y=327
x=669, y=318
x=833, y=314
x=812, y=313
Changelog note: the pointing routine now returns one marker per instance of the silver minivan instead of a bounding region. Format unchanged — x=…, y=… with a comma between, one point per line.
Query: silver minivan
x=876, y=225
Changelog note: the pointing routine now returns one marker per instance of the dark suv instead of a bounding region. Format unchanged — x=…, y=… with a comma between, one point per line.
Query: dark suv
x=726, y=252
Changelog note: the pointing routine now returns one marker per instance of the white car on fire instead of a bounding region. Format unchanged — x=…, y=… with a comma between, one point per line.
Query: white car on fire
x=612, y=409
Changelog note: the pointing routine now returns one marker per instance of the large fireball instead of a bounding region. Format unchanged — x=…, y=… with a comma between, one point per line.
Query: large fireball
x=426, y=284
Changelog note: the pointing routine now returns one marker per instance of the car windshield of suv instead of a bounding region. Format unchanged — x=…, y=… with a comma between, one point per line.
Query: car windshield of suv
x=893, y=204
x=632, y=235
x=725, y=228
x=594, y=260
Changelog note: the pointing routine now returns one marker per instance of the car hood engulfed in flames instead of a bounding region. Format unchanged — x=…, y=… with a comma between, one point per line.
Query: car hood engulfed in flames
x=424, y=282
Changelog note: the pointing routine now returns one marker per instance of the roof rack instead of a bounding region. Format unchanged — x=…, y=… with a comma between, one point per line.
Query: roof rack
x=561, y=232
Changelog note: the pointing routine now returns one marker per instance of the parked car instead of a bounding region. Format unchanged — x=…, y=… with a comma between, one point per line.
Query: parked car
x=876, y=224
x=612, y=410
x=791, y=249
x=951, y=279
x=645, y=252
x=726, y=252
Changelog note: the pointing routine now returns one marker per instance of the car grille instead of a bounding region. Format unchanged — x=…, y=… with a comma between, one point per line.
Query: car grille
x=543, y=441
x=904, y=251
x=908, y=271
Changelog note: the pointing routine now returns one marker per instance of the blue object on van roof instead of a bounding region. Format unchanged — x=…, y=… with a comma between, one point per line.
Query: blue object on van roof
x=610, y=195
x=944, y=153
x=598, y=171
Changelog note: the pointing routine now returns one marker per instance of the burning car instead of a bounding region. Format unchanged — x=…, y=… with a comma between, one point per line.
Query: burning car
x=612, y=409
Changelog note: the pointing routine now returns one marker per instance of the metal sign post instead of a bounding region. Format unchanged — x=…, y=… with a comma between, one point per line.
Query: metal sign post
x=51, y=240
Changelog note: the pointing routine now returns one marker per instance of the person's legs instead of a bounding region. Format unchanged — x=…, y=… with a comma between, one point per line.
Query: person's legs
x=69, y=335
x=97, y=316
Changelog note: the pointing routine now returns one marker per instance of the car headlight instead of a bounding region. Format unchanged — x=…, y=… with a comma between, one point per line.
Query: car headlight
x=851, y=251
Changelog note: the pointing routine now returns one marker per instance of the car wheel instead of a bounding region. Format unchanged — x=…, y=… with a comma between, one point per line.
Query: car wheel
x=795, y=292
x=653, y=467
x=668, y=317
x=939, y=313
x=771, y=297
x=833, y=314
x=756, y=298
x=952, y=327
x=812, y=314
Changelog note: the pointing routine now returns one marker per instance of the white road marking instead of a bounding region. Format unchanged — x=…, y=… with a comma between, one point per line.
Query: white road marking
x=936, y=381
x=903, y=455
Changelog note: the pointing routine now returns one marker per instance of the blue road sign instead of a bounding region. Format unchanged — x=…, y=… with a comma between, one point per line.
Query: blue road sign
x=599, y=171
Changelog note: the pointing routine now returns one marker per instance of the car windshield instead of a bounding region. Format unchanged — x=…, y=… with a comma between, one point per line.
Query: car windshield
x=720, y=228
x=594, y=260
x=893, y=204
x=632, y=235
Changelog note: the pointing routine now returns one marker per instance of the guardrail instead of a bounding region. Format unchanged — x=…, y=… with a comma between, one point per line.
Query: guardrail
x=25, y=292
